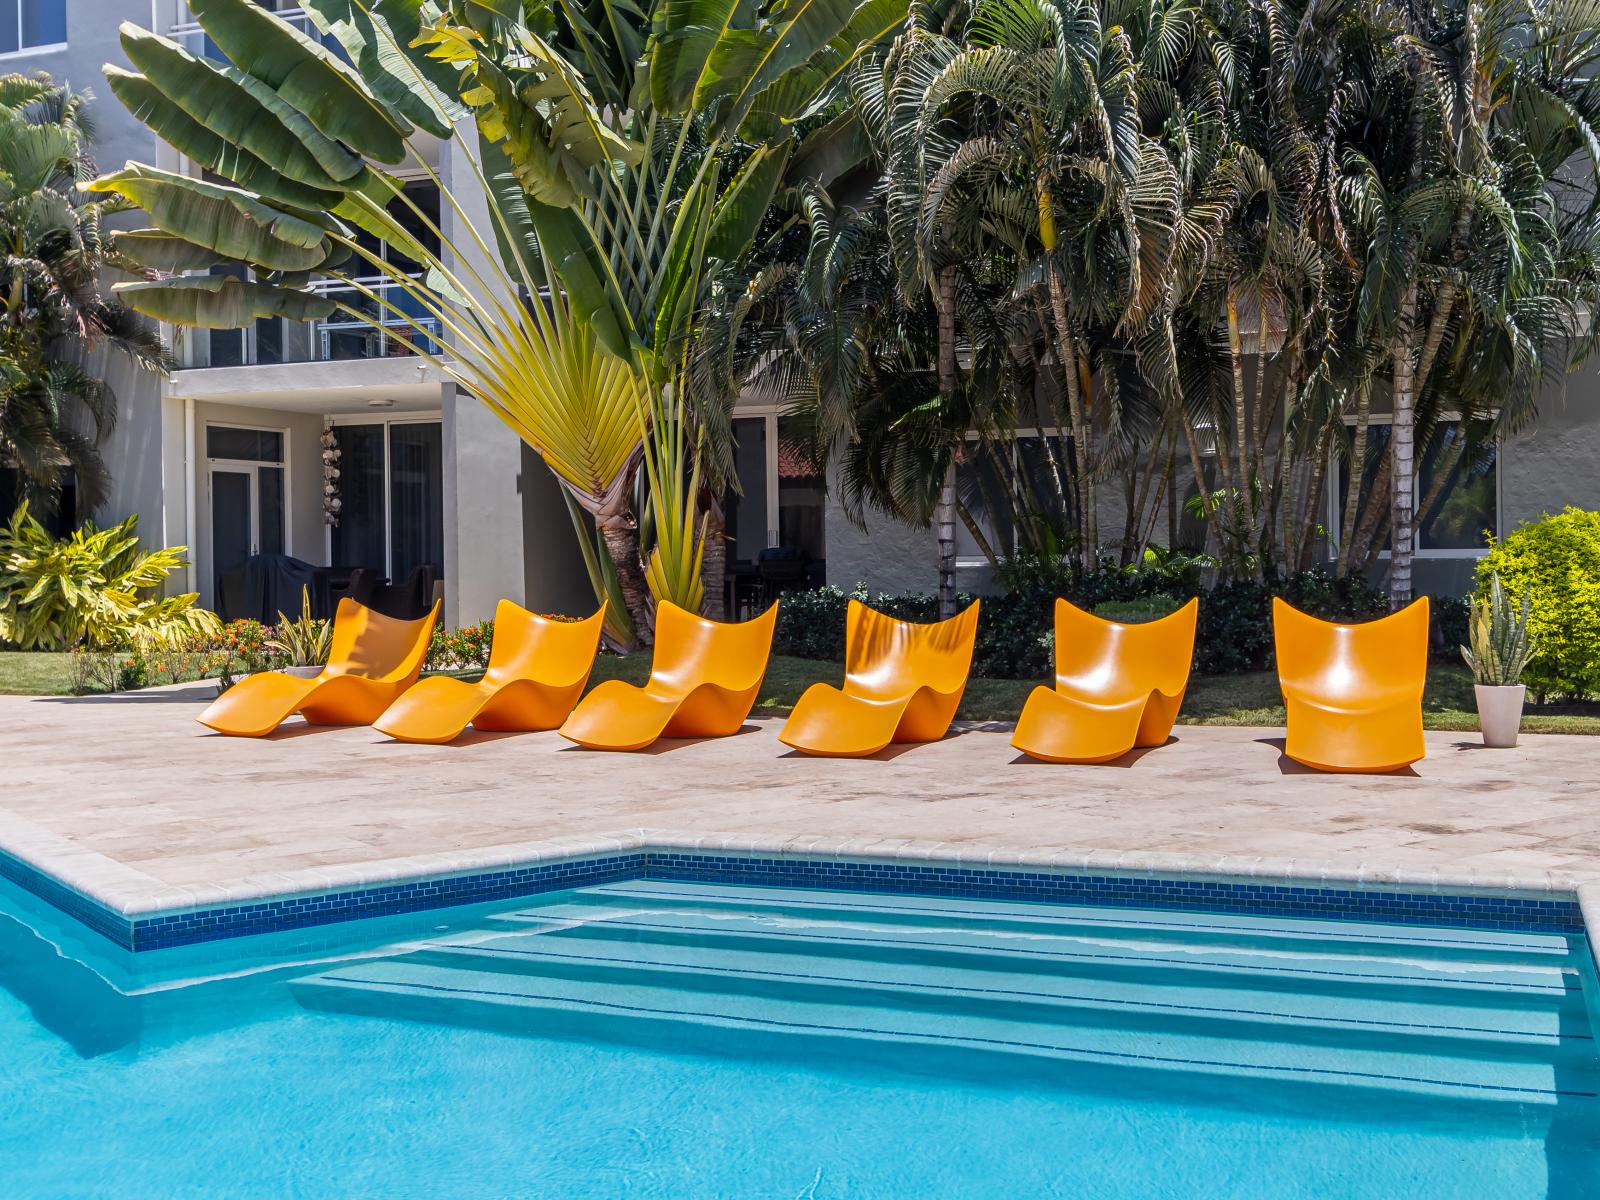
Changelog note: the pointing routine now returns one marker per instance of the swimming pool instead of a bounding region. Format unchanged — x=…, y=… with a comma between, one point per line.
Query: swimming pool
x=663, y=1039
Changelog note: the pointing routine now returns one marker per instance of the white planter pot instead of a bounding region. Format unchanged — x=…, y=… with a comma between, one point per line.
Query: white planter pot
x=1500, y=713
x=301, y=672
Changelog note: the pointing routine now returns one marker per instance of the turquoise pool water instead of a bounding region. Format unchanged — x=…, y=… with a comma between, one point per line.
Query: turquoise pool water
x=651, y=1039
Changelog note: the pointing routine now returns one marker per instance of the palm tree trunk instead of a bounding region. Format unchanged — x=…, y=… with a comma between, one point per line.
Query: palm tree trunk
x=1309, y=518
x=714, y=563
x=1358, y=469
x=1402, y=479
x=1088, y=532
x=945, y=514
x=622, y=544
x=1239, y=497
x=1374, y=509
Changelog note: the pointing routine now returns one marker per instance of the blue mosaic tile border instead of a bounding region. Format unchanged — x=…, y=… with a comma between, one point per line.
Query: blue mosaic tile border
x=1508, y=913
x=1496, y=912
x=70, y=901
x=298, y=912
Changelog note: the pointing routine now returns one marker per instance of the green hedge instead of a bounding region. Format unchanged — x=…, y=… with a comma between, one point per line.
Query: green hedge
x=1557, y=560
x=1014, y=630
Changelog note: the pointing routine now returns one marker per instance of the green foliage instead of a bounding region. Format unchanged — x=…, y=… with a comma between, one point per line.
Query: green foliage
x=303, y=641
x=467, y=647
x=462, y=648
x=1555, y=562
x=94, y=588
x=54, y=411
x=1500, y=645
x=1452, y=618
x=1015, y=630
x=1136, y=612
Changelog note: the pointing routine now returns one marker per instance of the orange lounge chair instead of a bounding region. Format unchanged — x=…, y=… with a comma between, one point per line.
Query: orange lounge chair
x=1117, y=686
x=902, y=683
x=372, y=660
x=703, y=682
x=1353, y=692
x=537, y=669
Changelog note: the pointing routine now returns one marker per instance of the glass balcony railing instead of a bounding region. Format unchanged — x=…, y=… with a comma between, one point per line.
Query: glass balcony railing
x=405, y=330
x=188, y=34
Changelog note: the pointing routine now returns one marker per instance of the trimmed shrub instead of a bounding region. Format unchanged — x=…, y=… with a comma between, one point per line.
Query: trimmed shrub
x=1137, y=612
x=1557, y=561
x=1015, y=635
x=1452, y=619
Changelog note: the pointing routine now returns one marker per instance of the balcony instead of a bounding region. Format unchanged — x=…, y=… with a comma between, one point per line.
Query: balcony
x=343, y=337
x=192, y=38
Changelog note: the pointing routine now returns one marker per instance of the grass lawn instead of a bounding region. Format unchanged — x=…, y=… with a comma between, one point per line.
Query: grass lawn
x=27, y=673
x=1250, y=699
x=1212, y=700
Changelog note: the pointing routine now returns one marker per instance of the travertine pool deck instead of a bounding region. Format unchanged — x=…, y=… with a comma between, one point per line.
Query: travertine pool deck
x=128, y=800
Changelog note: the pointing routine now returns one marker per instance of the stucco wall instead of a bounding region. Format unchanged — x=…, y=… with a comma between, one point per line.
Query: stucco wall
x=886, y=556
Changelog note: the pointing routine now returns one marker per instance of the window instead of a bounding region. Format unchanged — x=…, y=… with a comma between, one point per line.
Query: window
x=31, y=24
x=1457, y=490
x=244, y=445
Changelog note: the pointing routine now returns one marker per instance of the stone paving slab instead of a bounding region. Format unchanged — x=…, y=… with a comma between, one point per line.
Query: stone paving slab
x=128, y=799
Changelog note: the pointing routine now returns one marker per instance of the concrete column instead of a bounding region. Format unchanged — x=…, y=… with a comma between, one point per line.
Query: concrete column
x=483, y=525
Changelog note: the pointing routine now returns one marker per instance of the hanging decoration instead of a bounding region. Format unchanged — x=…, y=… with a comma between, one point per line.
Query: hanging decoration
x=331, y=504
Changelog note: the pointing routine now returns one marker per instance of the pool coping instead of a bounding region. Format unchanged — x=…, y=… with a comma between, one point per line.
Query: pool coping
x=139, y=913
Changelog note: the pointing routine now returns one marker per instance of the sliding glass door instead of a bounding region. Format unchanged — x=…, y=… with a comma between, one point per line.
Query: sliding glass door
x=416, y=498
x=391, y=491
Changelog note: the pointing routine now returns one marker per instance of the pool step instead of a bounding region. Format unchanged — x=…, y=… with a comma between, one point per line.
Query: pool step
x=1239, y=1013
x=1285, y=934
x=1488, y=1018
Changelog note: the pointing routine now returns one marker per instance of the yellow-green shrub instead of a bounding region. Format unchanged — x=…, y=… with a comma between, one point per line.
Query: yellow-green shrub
x=1557, y=561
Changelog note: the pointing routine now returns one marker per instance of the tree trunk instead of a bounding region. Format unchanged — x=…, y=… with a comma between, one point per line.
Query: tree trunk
x=622, y=544
x=946, y=522
x=1239, y=498
x=714, y=564
x=1089, y=534
x=1309, y=519
x=1358, y=469
x=1374, y=510
x=945, y=515
x=1403, y=479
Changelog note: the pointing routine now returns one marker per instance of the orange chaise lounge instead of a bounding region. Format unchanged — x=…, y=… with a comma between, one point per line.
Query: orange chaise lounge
x=537, y=669
x=902, y=683
x=1353, y=692
x=1117, y=686
x=372, y=660
x=703, y=683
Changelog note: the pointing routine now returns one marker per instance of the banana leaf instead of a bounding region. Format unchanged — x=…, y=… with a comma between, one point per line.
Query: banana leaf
x=234, y=223
x=181, y=131
x=377, y=35
x=220, y=301
x=305, y=74
x=162, y=251
x=241, y=110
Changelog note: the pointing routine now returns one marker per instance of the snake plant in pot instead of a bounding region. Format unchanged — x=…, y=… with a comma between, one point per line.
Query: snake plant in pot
x=1499, y=652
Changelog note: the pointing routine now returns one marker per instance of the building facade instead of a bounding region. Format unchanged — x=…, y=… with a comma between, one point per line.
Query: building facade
x=226, y=456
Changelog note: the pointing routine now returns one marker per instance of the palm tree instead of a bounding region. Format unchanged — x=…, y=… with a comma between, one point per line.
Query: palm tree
x=54, y=313
x=621, y=198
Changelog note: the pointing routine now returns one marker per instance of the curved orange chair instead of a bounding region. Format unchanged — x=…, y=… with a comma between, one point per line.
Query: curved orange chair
x=372, y=660
x=703, y=683
x=902, y=683
x=1117, y=686
x=1353, y=692
x=537, y=670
